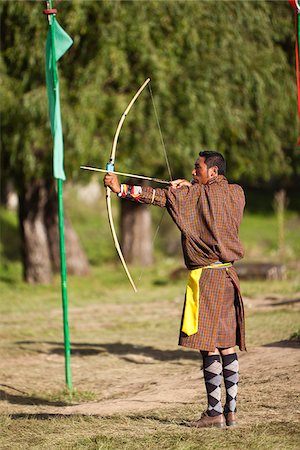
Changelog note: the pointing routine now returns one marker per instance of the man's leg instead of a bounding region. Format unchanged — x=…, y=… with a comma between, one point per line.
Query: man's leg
x=231, y=379
x=212, y=371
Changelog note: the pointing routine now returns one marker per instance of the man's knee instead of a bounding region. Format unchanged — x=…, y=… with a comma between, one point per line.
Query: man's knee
x=227, y=351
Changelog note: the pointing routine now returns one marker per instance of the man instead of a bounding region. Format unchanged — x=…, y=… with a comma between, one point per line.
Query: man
x=208, y=211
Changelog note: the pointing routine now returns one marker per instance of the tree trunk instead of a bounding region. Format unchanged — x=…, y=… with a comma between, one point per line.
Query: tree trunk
x=40, y=237
x=77, y=263
x=136, y=239
x=34, y=241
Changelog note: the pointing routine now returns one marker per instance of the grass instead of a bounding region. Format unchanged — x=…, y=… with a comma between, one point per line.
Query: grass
x=34, y=302
x=259, y=234
x=152, y=431
x=267, y=327
x=295, y=336
x=117, y=335
x=68, y=397
x=287, y=287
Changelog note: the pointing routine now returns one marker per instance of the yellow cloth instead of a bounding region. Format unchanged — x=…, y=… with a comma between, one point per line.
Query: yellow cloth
x=190, y=315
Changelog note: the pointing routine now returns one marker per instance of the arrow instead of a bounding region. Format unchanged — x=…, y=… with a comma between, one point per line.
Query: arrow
x=142, y=177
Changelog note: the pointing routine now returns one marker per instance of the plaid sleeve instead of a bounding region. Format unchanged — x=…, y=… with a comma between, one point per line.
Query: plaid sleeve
x=182, y=206
x=179, y=202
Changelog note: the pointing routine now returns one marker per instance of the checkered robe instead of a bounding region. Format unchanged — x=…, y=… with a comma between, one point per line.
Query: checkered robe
x=209, y=218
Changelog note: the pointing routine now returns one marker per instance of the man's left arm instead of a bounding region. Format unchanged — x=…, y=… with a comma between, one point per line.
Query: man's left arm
x=141, y=194
x=138, y=194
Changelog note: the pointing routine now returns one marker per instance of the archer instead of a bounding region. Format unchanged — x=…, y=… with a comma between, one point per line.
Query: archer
x=208, y=211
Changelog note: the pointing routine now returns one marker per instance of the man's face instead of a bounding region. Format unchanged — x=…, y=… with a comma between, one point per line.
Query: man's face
x=201, y=174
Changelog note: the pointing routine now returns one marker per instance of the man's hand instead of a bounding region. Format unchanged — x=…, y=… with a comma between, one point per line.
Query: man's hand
x=111, y=181
x=179, y=183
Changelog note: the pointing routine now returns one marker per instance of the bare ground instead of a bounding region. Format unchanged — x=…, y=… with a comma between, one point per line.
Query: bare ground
x=126, y=378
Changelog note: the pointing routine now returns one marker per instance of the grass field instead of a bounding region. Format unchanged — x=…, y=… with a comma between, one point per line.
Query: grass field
x=133, y=386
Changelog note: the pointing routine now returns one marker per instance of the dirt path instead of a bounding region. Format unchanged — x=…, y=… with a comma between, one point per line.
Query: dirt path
x=269, y=382
x=127, y=379
x=261, y=386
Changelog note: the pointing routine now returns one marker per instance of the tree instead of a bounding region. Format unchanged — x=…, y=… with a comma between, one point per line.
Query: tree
x=26, y=144
x=222, y=76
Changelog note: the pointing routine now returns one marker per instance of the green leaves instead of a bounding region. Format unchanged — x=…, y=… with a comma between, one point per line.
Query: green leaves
x=222, y=76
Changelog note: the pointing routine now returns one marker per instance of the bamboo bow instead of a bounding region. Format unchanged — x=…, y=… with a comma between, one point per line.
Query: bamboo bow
x=110, y=168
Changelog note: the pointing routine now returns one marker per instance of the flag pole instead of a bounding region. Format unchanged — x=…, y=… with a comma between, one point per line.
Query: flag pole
x=67, y=347
x=64, y=292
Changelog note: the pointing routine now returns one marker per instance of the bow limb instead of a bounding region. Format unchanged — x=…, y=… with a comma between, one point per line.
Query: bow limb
x=115, y=238
x=122, y=120
x=110, y=168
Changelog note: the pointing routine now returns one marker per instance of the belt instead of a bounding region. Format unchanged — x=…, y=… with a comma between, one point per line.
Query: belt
x=190, y=314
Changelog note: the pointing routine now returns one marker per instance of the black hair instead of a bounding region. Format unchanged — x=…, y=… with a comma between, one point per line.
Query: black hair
x=214, y=159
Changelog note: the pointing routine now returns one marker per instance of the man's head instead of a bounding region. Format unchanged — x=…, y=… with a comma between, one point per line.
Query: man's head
x=207, y=166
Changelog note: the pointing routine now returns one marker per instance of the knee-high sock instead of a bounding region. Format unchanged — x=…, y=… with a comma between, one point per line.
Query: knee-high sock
x=231, y=379
x=212, y=369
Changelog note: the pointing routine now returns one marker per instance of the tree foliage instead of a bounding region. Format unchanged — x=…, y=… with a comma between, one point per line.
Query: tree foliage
x=222, y=76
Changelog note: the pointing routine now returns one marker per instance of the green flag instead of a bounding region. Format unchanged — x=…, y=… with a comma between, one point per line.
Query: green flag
x=58, y=42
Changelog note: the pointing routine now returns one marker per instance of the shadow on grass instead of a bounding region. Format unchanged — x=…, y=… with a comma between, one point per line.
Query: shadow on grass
x=265, y=304
x=47, y=416
x=283, y=344
x=25, y=399
x=116, y=348
x=134, y=417
x=286, y=302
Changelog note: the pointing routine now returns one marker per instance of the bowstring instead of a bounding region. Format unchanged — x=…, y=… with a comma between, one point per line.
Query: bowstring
x=160, y=132
x=168, y=166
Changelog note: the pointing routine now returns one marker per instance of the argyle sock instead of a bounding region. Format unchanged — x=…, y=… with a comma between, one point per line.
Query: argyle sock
x=212, y=369
x=231, y=379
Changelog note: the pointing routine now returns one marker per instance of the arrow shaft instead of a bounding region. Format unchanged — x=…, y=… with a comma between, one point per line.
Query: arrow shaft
x=142, y=177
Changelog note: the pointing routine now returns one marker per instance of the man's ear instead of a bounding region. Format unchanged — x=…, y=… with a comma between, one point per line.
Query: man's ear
x=213, y=171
